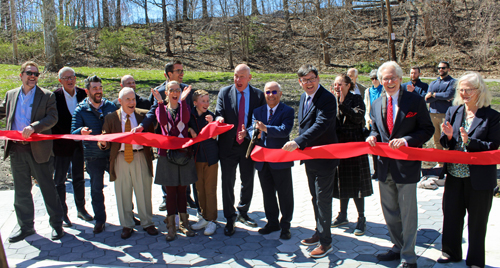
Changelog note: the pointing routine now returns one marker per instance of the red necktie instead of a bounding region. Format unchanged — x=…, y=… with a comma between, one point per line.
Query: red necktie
x=241, y=117
x=390, y=116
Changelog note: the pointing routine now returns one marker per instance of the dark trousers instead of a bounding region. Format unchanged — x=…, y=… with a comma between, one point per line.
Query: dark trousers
x=321, y=189
x=95, y=169
x=460, y=197
x=24, y=166
x=228, y=177
x=176, y=199
x=62, y=164
x=280, y=181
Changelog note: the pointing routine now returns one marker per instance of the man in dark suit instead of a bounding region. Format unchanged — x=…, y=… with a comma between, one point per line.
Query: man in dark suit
x=317, y=110
x=30, y=109
x=130, y=166
x=275, y=122
x=235, y=105
x=129, y=81
x=399, y=118
x=69, y=152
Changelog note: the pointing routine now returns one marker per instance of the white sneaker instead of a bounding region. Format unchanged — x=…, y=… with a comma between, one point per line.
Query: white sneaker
x=200, y=224
x=210, y=229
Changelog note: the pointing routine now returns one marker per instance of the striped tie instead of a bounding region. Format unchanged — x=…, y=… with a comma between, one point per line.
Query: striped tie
x=129, y=153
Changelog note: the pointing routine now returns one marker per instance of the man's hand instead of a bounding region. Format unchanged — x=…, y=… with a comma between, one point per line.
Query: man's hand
x=447, y=129
x=27, y=131
x=410, y=87
x=260, y=126
x=209, y=118
x=290, y=146
x=185, y=92
x=102, y=144
x=85, y=131
x=396, y=143
x=372, y=141
x=137, y=129
x=428, y=95
x=464, y=135
x=220, y=119
x=243, y=133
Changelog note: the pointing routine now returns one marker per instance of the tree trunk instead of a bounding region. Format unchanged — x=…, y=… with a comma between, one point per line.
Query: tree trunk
x=66, y=13
x=288, y=26
x=427, y=24
x=105, y=13
x=146, y=11
x=204, y=8
x=382, y=13
x=98, y=16
x=5, y=15
x=177, y=10
x=263, y=10
x=255, y=10
x=14, y=30
x=118, y=13
x=52, y=54
x=348, y=4
x=61, y=10
x=84, y=19
x=184, y=9
x=166, y=29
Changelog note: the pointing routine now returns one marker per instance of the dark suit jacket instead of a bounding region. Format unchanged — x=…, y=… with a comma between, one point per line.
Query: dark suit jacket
x=43, y=118
x=141, y=103
x=317, y=126
x=278, y=131
x=64, y=147
x=413, y=123
x=227, y=107
x=484, y=133
x=112, y=124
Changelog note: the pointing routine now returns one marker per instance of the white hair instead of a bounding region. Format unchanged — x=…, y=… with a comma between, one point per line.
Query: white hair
x=242, y=67
x=125, y=77
x=125, y=91
x=389, y=64
x=65, y=69
x=354, y=70
x=484, y=95
x=268, y=84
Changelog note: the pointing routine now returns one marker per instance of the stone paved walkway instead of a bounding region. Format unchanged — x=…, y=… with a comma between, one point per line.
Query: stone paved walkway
x=81, y=248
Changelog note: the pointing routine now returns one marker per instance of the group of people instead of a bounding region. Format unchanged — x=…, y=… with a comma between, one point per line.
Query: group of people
x=388, y=112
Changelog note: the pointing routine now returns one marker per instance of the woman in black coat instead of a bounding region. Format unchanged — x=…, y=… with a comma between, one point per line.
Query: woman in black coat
x=353, y=177
x=470, y=126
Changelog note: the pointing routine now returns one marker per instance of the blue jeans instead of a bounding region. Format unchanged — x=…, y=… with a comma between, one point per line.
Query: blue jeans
x=95, y=169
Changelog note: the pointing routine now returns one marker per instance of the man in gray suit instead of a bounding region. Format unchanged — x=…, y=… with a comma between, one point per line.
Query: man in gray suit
x=31, y=109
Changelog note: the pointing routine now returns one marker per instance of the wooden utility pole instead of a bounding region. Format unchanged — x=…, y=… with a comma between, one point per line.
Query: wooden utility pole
x=391, y=35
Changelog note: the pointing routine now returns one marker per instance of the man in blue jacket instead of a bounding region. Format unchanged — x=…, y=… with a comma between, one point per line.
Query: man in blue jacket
x=88, y=120
x=415, y=84
x=440, y=96
x=275, y=122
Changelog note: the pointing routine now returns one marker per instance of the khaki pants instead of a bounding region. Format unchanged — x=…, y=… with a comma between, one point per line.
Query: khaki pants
x=133, y=177
x=207, y=189
x=437, y=120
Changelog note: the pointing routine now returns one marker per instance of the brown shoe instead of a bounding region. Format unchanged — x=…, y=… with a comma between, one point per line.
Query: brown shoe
x=99, y=227
x=151, y=230
x=321, y=251
x=314, y=240
x=127, y=232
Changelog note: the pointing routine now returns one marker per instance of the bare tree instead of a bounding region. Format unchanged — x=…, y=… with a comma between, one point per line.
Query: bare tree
x=52, y=55
x=255, y=10
x=105, y=13
x=61, y=10
x=14, y=30
x=184, y=9
x=288, y=27
x=5, y=15
x=204, y=8
x=118, y=13
x=427, y=12
x=166, y=29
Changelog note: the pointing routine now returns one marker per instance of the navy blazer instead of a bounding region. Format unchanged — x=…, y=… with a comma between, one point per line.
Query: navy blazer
x=484, y=134
x=317, y=126
x=278, y=131
x=227, y=107
x=413, y=123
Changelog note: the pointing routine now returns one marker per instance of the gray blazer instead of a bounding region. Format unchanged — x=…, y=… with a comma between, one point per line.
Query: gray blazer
x=43, y=118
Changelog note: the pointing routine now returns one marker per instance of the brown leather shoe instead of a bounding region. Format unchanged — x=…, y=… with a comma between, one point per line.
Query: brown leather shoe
x=314, y=240
x=151, y=230
x=127, y=232
x=99, y=227
x=321, y=251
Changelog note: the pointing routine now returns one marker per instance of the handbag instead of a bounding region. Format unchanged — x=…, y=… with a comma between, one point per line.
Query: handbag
x=179, y=157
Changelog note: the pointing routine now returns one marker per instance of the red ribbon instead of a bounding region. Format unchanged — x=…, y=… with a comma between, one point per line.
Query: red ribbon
x=146, y=139
x=352, y=149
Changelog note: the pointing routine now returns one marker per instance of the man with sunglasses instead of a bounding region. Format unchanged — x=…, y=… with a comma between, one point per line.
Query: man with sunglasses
x=415, y=84
x=30, y=109
x=88, y=119
x=69, y=152
x=440, y=96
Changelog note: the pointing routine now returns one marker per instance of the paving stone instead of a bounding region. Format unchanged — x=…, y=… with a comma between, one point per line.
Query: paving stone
x=193, y=248
x=96, y=253
x=234, y=242
x=215, y=244
x=270, y=243
x=229, y=250
x=200, y=262
x=104, y=260
x=267, y=251
x=254, y=238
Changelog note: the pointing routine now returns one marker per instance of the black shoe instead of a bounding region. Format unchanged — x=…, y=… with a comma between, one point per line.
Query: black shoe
x=229, y=229
x=57, y=233
x=84, y=216
x=340, y=220
x=163, y=205
x=246, y=220
x=268, y=229
x=285, y=234
x=66, y=222
x=136, y=221
x=191, y=203
x=21, y=235
x=361, y=226
x=407, y=265
x=444, y=259
x=389, y=256
x=99, y=227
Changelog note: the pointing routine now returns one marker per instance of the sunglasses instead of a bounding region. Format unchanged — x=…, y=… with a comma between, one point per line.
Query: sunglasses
x=442, y=68
x=29, y=73
x=274, y=92
x=374, y=78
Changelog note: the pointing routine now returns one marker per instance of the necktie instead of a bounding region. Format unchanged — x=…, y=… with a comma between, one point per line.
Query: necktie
x=270, y=115
x=241, y=117
x=390, y=116
x=306, y=105
x=129, y=153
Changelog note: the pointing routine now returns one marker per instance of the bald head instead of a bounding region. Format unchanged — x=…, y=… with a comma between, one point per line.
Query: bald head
x=353, y=74
x=242, y=77
x=127, y=81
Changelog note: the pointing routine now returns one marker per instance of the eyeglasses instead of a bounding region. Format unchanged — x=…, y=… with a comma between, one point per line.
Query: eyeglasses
x=68, y=77
x=306, y=81
x=179, y=71
x=29, y=73
x=390, y=79
x=442, y=68
x=374, y=78
x=274, y=92
x=467, y=90
x=177, y=90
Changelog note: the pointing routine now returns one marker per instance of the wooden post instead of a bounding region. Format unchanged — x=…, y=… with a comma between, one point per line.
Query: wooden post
x=389, y=29
x=3, y=257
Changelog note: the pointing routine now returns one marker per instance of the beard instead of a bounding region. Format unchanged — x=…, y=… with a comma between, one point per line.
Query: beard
x=95, y=99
